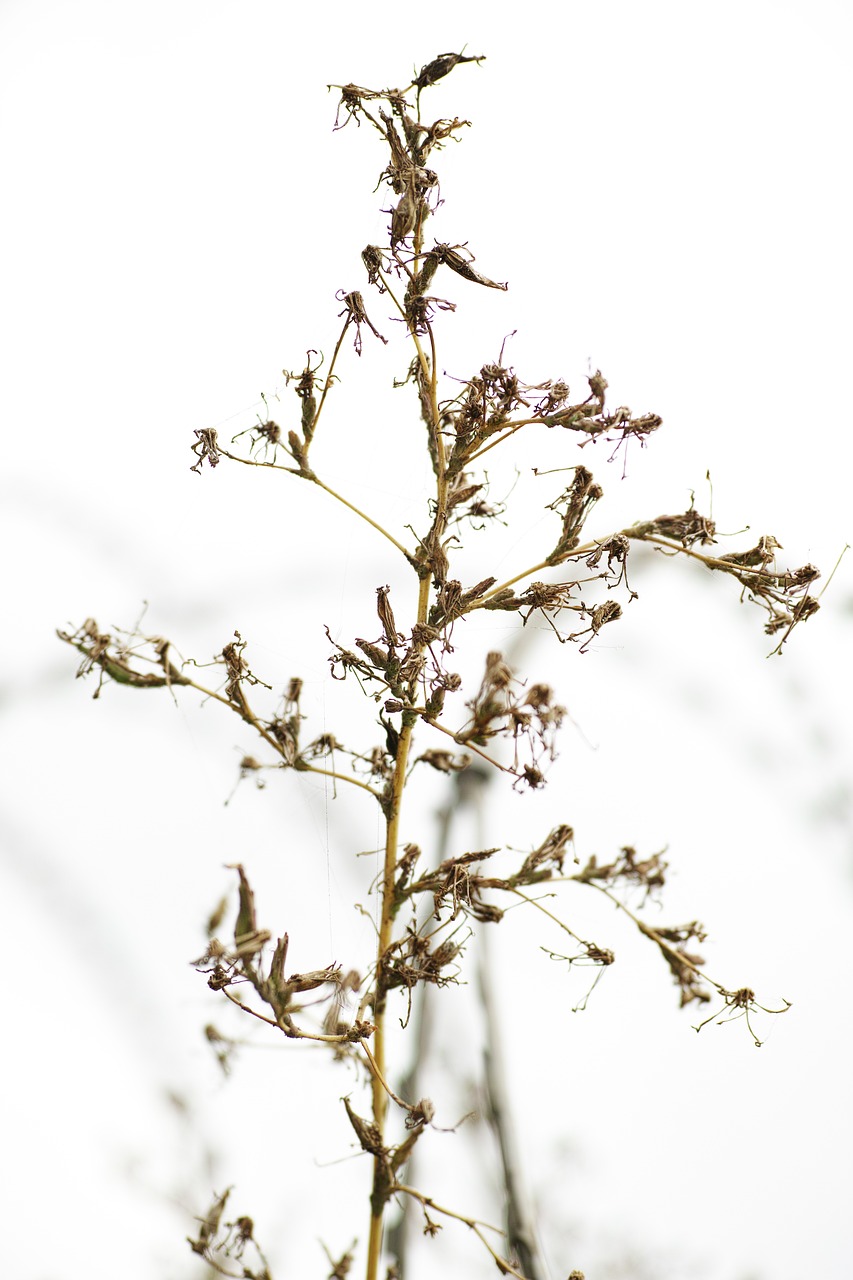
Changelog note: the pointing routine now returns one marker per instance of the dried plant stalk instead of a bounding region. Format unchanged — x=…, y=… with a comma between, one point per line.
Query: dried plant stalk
x=429, y=907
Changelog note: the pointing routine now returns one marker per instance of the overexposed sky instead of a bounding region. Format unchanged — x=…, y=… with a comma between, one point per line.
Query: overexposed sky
x=667, y=190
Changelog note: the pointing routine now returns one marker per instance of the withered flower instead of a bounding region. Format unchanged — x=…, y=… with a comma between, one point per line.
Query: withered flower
x=356, y=315
x=205, y=447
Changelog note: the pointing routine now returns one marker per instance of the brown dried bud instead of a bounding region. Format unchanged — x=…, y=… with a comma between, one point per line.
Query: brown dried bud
x=356, y=314
x=299, y=453
x=403, y=217
x=246, y=922
x=498, y=672
x=462, y=266
x=371, y=256
x=205, y=447
x=758, y=556
x=604, y=613
x=386, y=617
x=374, y=654
x=445, y=761
x=278, y=960
x=421, y=1113
x=442, y=66
x=598, y=386
x=366, y=1131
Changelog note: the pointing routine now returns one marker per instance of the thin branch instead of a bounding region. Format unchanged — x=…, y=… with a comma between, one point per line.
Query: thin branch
x=363, y=516
x=377, y=1075
x=475, y=1224
x=292, y=1032
x=469, y=746
x=328, y=379
x=678, y=956
x=338, y=777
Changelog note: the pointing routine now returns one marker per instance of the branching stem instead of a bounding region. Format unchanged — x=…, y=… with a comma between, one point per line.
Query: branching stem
x=363, y=516
x=340, y=777
x=476, y=1225
x=328, y=379
x=678, y=956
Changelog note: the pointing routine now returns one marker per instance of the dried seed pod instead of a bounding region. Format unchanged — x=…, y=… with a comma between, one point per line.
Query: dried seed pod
x=246, y=922
x=366, y=1131
x=445, y=761
x=209, y=1224
x=598, y=386
x=758, y=556
x=451, y=257
x=688, y=529
x=386, y=617
x=278, y=960
x=403, y=217
x=441, y=67
x=604, y=613
x=371, y=256
x=374, y=654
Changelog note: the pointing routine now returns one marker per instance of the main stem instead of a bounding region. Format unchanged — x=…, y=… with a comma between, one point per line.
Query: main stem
x=379, y=1196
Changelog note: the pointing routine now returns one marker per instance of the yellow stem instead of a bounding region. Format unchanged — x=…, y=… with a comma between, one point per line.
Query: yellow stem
x=583, y=550
x=392, y=835
x=475, y=1224
x=469, y=746
x=339, y=777
x=364, y=516
x=328, y=379
x=276, y=466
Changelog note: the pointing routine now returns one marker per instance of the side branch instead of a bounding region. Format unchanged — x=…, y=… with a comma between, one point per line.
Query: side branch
x=475, y=1224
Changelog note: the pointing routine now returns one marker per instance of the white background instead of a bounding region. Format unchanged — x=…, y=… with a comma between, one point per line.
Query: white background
x=666, y=188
